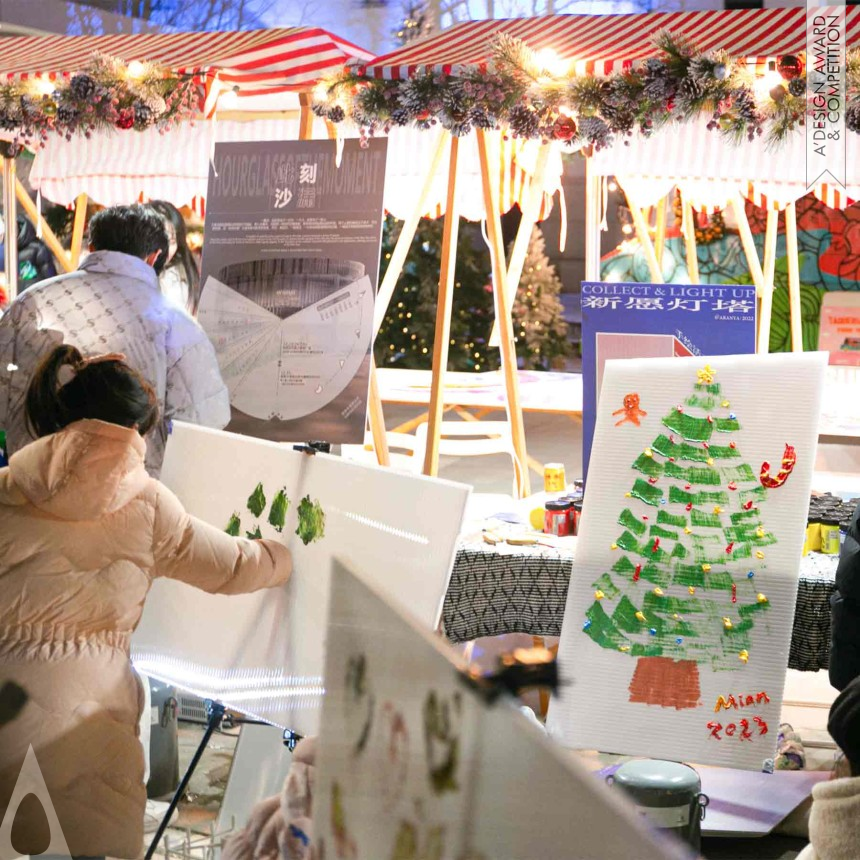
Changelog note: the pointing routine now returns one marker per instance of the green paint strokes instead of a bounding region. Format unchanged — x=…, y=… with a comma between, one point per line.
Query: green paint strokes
x=667, y=519
x=656, y=575
x=601, y=629
x=746, y=516
x=742, y=473
x=693, y=475
x=629, y=520
x=713, y=388
x=646, y=492
x=648, y=466
x=256, y=534
x=682, y=451
x=702, y=519
x=689, y=427
x=756, y=495
x=726, y=425
x=661, y=532
x=623, y=566
x=706, y=402
x=680, y=551
x=257, y=501
x=311, y=521
x=607, y=586
x=234, y=527
x=278, y=511
x=624, y=617
x=682, y=497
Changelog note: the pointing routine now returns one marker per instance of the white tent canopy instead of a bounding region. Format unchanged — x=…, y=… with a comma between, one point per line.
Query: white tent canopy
x=711, y=169
x=116, y=168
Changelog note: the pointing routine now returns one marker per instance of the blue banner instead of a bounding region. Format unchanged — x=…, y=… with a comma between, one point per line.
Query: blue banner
x=621, y=320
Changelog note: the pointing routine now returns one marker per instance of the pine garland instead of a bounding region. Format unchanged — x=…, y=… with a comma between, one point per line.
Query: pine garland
x=518, y=95
x=102, y=95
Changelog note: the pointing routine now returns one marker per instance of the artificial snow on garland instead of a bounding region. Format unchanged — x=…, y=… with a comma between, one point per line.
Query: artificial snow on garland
x=108, y=93
x=520, y=94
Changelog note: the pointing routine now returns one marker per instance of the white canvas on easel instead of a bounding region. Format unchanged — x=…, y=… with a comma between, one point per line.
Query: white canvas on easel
x=263, y=653
x=414, y=764
x=679, y=613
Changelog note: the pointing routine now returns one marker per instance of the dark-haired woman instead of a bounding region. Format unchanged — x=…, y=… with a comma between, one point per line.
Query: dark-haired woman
x=84, y=532
x=179, y=278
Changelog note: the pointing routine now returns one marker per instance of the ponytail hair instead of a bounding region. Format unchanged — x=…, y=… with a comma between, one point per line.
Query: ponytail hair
x=67, y=387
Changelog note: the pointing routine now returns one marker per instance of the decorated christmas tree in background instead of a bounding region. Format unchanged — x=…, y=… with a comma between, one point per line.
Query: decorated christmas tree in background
x=683, y=590
x=539, y=327
x=406, y=335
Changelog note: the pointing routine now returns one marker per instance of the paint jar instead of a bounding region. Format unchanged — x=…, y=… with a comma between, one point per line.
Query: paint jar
x=813, y=536
x=556, y=518
x=553, y=478
x=577, y=517
x=830, y=537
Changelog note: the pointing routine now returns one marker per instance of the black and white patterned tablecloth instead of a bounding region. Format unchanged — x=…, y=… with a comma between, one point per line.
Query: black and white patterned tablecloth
x=505, y=589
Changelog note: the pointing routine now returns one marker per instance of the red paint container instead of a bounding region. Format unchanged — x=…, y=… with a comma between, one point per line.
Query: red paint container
x=556, y=518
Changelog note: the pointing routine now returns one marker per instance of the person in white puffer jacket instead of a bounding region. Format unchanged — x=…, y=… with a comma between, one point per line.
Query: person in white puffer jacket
x=834, y=822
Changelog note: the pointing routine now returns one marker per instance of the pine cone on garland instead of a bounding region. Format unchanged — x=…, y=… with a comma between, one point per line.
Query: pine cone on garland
x=701, y=69
x=523, y=122
x=659, y=85
x=481, y=119
x=690, y=93
x=595, y=131
x=797, y=87
x=143, y=116
x=82, y=86
x=336, y=114
x=852, y=117
x=320, y=110
x=67, y=115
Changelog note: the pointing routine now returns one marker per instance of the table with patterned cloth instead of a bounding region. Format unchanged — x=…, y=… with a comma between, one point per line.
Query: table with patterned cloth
x=509, y=589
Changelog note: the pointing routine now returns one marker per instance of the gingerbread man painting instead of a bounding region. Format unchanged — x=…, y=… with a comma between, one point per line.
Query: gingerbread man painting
x=631, y=411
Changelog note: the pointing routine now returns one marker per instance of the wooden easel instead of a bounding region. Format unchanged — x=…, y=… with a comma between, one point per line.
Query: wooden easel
x=502, y=284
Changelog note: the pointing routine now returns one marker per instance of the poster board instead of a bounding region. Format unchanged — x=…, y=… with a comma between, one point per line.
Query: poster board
x=678, y=619
x=414, y=765
x=622, y=320
x=290, y=267
x=263, y=653
x=839, y=333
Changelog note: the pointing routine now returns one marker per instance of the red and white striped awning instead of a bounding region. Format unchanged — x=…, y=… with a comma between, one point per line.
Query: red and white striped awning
x=601, y=44
x=258, y=62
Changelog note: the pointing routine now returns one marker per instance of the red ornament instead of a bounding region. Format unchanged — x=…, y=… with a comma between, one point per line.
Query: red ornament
x=652, y=480
x=710, y=420
x=689, y=506
x=687, y=486
x=732, y=485
x=734, y=593
x=671, y=459
x=790, y=67
x=730, y=547
x=637, y=572
x=656, y=545
x=680, y=409
x=748, y=505
x=732, y=445
x=672, y=438
x=564, y=128
x=705, y=445
x=125, y=119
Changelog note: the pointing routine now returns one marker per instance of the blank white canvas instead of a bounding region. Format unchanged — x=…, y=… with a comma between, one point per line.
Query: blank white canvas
x=263, y=653
x=776, y=400
x=488, y=786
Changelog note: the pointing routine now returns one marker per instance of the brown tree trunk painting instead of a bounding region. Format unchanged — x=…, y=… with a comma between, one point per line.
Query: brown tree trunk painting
x=666, y=682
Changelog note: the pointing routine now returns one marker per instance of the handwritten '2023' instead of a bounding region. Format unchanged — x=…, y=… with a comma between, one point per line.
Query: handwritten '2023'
x=740, y=730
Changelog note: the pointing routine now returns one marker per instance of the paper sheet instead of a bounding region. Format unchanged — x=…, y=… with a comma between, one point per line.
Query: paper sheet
x=679, y=614
x=263, y=653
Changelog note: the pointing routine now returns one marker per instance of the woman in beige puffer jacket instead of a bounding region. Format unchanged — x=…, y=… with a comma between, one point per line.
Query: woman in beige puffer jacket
x=83, y=533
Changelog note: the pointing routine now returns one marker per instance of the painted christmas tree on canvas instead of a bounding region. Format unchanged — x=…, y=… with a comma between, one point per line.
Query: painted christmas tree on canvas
x=683, y=592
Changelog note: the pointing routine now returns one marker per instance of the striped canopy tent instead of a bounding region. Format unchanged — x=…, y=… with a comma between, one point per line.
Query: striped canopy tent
x=256, y=64
x=261, y=70
x=602, y=44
